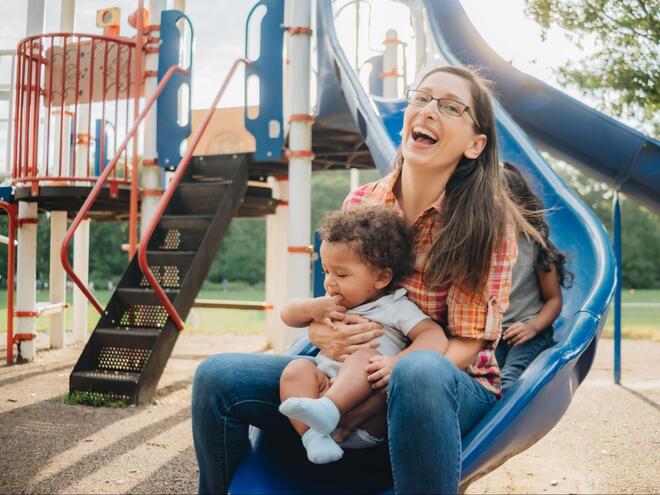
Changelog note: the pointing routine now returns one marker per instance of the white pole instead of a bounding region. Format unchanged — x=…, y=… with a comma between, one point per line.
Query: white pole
x=26, y=273
x=355, y=179
x=152, y=175
x=26, y=276
x=58, y=219
x=390, y=65
x=57, y=278
x=276, y=270
x=68, y=16
x=300, y=162
x=81, y=236
x=36, y=11
x=81, y=268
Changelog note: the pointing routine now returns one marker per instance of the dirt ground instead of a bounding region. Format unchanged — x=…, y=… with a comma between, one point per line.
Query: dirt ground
x=607, y=442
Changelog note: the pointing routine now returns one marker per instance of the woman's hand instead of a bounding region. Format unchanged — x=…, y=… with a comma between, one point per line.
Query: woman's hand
x=379, y=371
x=519, y=333
x=352, y=333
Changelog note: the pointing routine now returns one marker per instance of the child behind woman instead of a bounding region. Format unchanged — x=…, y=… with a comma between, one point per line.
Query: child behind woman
x=535, y=300
x=365, y=253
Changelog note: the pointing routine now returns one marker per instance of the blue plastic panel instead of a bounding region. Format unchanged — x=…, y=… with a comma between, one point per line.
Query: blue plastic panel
x=170, y=134
x=267, y=128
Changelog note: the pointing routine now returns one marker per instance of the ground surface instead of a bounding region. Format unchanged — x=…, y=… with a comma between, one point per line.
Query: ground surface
x=608, y=441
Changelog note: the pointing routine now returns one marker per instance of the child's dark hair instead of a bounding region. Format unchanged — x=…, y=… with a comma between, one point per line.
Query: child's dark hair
x=377, y=234
x=532, y=208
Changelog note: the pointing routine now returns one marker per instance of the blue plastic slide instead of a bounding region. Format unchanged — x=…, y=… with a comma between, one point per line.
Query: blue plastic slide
x=544, y=391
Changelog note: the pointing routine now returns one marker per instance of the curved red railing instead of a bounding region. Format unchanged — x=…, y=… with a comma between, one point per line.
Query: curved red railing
x=12, y=213
x=58, y=77
x=96, y=190
x=169, y=192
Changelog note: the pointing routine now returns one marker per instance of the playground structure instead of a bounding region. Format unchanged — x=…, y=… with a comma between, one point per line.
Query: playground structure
x=64, y=164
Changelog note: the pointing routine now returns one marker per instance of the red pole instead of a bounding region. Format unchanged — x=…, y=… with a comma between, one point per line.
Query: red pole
x=11, y=216
x=96, y=190
x=167, y=195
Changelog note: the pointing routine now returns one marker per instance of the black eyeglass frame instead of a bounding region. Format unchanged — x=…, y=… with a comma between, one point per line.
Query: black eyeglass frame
x=466, y=108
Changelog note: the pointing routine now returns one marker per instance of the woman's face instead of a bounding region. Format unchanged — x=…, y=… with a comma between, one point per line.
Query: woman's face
x=452, y=136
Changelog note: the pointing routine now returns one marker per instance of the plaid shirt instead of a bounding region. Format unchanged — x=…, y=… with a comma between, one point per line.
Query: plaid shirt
x=460, y=312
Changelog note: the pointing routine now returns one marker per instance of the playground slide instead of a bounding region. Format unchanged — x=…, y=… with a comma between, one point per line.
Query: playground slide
x=601, y=146
x=545, y=390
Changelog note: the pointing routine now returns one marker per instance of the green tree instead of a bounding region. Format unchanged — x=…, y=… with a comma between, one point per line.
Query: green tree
x=640, y=243
x=623, y=73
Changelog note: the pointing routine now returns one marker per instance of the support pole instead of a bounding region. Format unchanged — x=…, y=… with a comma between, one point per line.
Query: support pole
x=36, y=15
x=390, y=65
x=81, y=267
x=68, y=16
x=81, y=236
x=26, y=292
x=355, y=179
x=152, y=175
x=276, y=272
x=616, y=226
x=300, y=156
x=57, y=277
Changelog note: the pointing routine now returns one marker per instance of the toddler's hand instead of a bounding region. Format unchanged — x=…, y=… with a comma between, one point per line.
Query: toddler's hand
x=326, y=309
x=519, y=333
x=379, y=371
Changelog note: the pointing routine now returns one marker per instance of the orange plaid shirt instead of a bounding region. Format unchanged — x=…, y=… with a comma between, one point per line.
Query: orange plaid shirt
x=459, y=312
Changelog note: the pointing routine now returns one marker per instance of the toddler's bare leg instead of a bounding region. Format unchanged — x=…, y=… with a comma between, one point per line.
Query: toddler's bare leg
x=351, y=387
x=301, y=378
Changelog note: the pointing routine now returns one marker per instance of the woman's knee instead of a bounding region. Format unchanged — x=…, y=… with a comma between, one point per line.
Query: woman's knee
x=425, y=368
x=218, y=375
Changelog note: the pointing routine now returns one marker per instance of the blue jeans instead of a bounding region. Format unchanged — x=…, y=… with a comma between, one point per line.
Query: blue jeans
x=513, y=360
x=232, y=391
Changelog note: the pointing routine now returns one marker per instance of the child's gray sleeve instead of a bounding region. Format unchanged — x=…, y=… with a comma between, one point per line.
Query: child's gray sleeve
x=405, y=315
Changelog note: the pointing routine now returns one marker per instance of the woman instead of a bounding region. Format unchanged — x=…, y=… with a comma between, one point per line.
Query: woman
x=447, y=186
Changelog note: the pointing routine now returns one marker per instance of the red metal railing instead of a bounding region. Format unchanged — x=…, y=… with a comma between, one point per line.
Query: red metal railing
x=64, y=83
x=169, y=192
x=12, y=214
x=103, y=178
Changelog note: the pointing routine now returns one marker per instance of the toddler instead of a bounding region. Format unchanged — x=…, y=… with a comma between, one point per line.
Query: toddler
x=365, y=253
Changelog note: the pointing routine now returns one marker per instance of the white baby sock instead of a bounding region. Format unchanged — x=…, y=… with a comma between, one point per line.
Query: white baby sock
x=319, y=414
x=321, y=449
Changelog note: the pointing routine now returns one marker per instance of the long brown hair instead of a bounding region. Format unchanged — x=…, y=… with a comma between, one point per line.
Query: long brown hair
x=532, y=208
x=476, y=207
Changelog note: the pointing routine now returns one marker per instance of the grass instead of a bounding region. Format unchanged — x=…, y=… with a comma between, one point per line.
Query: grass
x=637, y=322
x=93, y=399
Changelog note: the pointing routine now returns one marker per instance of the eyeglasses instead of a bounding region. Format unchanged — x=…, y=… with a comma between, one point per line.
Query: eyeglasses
x=448, y=106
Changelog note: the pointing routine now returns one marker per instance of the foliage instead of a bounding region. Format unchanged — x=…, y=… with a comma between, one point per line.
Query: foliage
x=623, y=73
x=640, y=244
x=93, y=399
x=242, y=254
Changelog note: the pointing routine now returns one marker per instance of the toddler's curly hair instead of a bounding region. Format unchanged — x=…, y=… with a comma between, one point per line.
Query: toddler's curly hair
x=376, y=234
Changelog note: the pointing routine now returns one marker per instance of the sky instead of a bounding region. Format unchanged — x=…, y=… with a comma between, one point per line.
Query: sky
x=219, y=32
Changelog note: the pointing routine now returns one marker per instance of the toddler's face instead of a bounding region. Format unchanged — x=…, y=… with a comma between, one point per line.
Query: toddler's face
x=347, y=275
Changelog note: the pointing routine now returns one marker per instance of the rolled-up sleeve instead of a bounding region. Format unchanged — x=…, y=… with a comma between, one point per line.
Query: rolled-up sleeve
x=479, y=315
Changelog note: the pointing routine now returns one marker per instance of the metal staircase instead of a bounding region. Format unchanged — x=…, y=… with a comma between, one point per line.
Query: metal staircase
x=127, y=352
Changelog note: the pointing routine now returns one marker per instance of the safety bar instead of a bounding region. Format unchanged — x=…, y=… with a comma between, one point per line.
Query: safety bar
x=96, y=190
x=169, y=192
x=12, y=214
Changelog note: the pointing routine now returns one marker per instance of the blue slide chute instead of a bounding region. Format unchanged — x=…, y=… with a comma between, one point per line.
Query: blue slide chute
x=542, y=395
